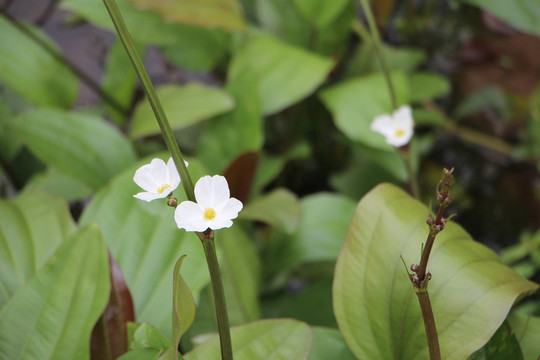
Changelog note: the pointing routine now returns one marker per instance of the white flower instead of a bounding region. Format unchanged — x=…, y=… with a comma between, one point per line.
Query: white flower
x=396, y=128
x=214, y=208
x=157, y=178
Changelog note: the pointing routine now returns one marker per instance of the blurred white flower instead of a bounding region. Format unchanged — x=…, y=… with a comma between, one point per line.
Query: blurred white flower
x=214, y=208
x=157, y=178
x=396, y=128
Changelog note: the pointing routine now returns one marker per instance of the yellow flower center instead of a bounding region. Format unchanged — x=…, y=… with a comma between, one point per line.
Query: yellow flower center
x=162, y=188
x=209, y=214
x=400, y=133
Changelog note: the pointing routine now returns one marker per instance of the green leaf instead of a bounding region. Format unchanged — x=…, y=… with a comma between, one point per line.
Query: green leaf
x=32, y=226
x=61, y=185
x=428, y=86
x=329, y=344
x=522, y=14
x=10, y=144
x=286, y=74
x=527, y=330
x=241, y=271
x=264, y=339
x=224, y=14
x=52, y=316
x=198, y=49
x=120, y=80
x=236, y=132
x=141, y=354
x=321, y=13
x=279, y=208
x=80, y=145
x=356, y=102
x=155, y=30
x=323, y=223
x=184, y=308
x=31, y=71
x=146, y=243
x=184, y=106
x=146, y=336
x=471, y=290
x=502, y=345
x=366, y=61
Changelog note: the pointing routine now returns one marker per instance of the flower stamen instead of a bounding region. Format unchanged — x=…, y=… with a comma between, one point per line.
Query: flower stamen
x=399, y=133
x=162, y=188
x=209, y=214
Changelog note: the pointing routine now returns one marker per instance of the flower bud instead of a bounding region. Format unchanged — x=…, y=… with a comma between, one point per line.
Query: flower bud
x=414, y=267
x=172, y=202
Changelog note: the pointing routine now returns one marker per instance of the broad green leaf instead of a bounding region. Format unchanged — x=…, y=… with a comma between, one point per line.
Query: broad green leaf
x=310, y=302
x=428, y=86
x=279, y=208
x=10, y=144
x=32, y=226
x=366, y=61
x=323, y=223
x=522, y=14
x=184, y=308
x=329, y=344
x=80, y=145
x=31, y=71
x=471, y=290
x=52, y=316
x=120, y=80
x=184, y=106
x=146, y=243
x=141, y=354
x=241, y=271
x=321, y=13
x=502, y=345
x=155, y=30
x=239, y=131
x=264, y=339
x=225, y=14
x=61, y=185
x=356, y=102
x=527, y=330
x=147, y=336
x=286, y=74
x=198, y=49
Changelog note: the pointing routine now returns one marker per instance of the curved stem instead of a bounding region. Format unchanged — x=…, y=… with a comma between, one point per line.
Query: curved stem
x=152, y=97
x=378, y=49
x=219, y=296
x=53, y=52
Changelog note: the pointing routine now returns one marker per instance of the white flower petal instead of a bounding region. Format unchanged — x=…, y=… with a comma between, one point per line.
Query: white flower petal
x=231, y=209
x=212, y=191
x=189, y=216
x=174, y=178
x=159, y=171
x=218, y=223
x=149, y=196
x=144, y=178
x=382, y=124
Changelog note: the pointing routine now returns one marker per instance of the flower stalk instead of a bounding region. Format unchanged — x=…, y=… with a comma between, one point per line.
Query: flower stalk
x=377, y=45
x=152, y=97
x=420, y=277
x=206, y=237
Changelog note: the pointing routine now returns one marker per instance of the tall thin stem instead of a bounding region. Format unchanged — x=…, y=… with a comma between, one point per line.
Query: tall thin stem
x=378, y=49
x=151, y=94
x=219, y=296
x=429, y=324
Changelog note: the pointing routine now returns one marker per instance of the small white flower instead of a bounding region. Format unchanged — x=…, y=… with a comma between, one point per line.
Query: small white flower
x=396, y=128
x=214, y=209
x=157, y=178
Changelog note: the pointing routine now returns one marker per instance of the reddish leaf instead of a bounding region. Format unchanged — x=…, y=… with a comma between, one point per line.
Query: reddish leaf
x=110, y=336
x=240, y=175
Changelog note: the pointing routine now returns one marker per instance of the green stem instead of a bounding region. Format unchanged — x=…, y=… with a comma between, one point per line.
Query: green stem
x=413, y=182
x=152, y=97
x=219, y=296
x=378, y=49
x=53, y=52
x=429, y=324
